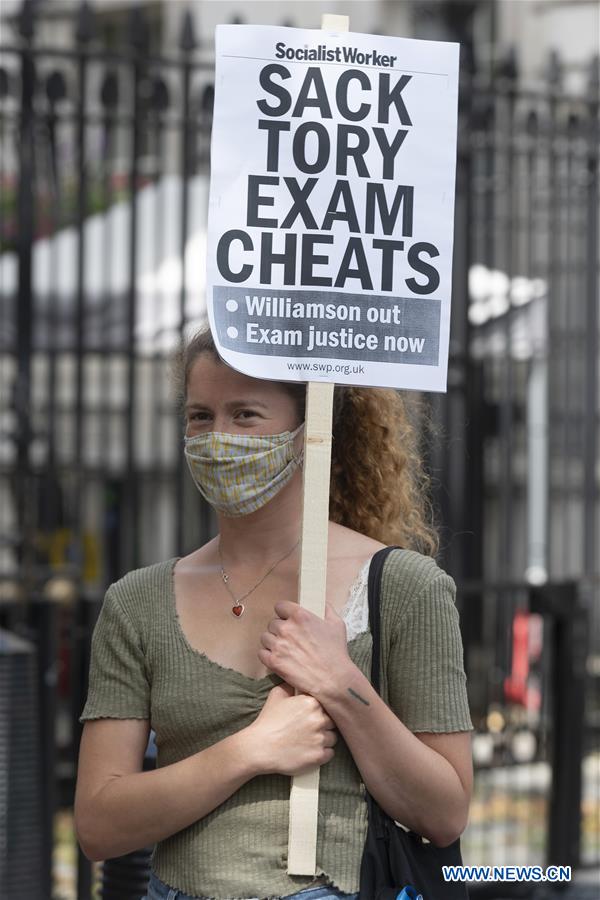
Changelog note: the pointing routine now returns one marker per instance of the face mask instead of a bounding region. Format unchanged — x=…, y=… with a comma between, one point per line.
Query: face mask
x=239, y=473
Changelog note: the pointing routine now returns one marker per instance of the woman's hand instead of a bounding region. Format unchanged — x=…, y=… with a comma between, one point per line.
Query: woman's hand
x=292, y=733
x=306, y=651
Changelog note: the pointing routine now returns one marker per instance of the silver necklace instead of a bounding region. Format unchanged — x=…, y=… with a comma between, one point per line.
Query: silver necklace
x=238, y=607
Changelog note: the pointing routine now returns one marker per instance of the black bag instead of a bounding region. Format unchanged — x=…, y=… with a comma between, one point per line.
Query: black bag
x=393, y=858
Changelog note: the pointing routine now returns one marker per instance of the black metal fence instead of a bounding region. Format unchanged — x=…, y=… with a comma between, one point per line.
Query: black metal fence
x=103, y=197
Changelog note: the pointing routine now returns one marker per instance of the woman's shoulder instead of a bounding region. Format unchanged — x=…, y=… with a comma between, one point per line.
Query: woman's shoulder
x=406, y=569
x=409, y=577
x=345, y=542
x=138, y=590
x=410, y=566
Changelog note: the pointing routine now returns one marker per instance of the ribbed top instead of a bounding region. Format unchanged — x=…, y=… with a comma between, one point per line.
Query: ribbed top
x=142, y=666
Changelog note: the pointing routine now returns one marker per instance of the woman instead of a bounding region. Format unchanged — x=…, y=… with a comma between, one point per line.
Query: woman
x=208, y=649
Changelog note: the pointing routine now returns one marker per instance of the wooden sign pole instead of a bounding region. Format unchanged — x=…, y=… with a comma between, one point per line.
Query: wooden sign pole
x=304, y=793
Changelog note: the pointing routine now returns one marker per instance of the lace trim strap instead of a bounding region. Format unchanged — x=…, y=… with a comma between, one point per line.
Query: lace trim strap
x=356, y=610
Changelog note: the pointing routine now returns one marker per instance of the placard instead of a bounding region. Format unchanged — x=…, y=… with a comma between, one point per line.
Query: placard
x=331, y=205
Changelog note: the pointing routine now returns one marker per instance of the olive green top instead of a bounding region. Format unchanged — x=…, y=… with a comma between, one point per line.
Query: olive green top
x=143, y=667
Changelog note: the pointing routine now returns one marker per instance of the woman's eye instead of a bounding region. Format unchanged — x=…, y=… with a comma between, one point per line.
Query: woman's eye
x=247, y=413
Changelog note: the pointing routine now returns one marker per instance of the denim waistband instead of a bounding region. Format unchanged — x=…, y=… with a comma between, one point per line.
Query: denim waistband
x=158, y=890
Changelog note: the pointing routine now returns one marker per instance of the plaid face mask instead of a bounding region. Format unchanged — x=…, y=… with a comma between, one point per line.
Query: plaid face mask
x=239, y=473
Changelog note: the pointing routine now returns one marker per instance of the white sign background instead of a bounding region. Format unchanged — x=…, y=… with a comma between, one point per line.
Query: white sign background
x=379, y=313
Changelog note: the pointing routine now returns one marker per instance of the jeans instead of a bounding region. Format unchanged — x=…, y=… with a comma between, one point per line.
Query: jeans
x=158, y=890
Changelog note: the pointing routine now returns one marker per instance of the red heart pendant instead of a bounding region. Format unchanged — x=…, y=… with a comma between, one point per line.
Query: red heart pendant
x=238, y=610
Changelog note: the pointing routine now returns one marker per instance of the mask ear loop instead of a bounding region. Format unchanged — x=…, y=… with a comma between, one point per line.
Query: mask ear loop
x=299, y=459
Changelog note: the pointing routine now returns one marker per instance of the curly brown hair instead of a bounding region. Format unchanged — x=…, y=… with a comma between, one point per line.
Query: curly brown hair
x=378, y=485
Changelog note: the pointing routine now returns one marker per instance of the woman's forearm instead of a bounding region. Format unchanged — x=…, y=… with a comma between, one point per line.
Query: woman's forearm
x=415, y=785
x=138, y=810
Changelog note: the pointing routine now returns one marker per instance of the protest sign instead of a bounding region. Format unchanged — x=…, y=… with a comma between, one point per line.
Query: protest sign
x=331, y=205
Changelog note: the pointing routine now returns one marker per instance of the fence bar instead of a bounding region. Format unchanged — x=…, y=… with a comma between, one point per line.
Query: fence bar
x=25, y=213
x=187, y=42
x=590, y=451
x=85, y=612
x=44, y=630
x=82, y=212
x=569, y=635
x=130, y=558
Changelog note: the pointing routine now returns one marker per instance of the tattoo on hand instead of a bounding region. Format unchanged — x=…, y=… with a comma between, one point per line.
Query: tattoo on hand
x=358, y=697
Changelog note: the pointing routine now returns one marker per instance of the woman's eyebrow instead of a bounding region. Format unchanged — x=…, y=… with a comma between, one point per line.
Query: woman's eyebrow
x=194, y=406
x=247, y=402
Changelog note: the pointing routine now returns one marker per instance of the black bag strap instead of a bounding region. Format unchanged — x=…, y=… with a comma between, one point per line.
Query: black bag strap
x=376, y=815
x=374, y=591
